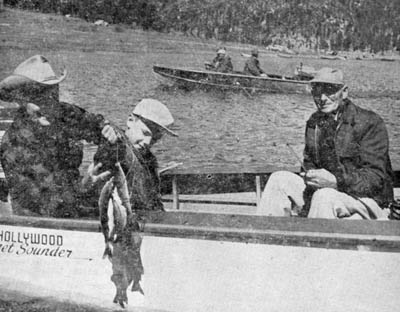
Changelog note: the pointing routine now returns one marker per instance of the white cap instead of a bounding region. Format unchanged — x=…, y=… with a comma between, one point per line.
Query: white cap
x=156, y=112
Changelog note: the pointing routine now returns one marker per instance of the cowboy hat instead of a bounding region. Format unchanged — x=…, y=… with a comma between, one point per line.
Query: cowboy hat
x=328, y=75
x=35, y=69
x=156, y=112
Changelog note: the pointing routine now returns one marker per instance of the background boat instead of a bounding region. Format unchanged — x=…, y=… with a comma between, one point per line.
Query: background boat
x=284, y=55
x=192, y=78
x=387, y=59
x=333, y=57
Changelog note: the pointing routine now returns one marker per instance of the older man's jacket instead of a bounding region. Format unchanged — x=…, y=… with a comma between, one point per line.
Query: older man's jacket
x=355, y=149
x=41, y=164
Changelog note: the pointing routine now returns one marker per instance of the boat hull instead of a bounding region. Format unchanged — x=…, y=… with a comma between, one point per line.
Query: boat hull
x=201, y=262
x=191, y=78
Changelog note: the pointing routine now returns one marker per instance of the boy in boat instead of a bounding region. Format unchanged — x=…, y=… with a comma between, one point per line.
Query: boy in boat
x=221, y=63
x=252, y=65
x=347, y=169
x=146, y=125
x=128, y=154
x=42, y=150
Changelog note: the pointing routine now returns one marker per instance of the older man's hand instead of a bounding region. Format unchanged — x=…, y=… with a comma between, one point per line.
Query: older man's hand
x=320, y=178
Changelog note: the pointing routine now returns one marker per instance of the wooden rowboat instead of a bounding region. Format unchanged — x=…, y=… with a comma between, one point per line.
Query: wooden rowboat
x=194, y=78
x=284, y=55
x=197, y=261
x=333, y=57
x=211, y=262
x=387, y=59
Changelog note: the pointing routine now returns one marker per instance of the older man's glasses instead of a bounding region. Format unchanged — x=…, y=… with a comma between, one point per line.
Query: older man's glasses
x=329, y=90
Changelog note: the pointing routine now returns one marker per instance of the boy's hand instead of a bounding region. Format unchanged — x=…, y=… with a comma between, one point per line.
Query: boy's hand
x=109, y=134
x=93, y=175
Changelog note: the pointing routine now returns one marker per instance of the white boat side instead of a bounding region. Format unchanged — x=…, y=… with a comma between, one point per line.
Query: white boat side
x=202, y=262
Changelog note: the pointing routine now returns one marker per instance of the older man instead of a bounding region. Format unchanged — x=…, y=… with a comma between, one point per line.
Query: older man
x=348, y=171
x=42, y=150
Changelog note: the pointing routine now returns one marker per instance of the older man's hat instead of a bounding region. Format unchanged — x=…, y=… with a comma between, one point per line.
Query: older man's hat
x=35, y=69
x=156, y=112
x=328, y=75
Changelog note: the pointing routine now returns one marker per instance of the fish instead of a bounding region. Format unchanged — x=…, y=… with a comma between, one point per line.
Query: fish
x=120, y=227
x=103, y=214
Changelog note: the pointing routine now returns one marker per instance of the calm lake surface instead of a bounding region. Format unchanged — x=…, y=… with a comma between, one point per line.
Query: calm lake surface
x=109, y=72
x=233, y=130
x=236, y=131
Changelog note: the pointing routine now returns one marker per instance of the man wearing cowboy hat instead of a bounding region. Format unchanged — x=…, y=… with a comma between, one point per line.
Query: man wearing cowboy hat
x=130, y=149
x=252, y=65
x=222, y=63
x=42, y=150
x=347, y=167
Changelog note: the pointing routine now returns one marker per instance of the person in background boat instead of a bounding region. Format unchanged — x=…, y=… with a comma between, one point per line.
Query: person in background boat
x=130, y=151
x=42, y=149
x=221, y=63
x=348, y=172
x=252, y=65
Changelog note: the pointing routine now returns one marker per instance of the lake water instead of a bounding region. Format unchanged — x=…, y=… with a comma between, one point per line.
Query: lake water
x=230, y=130
x=236, y=130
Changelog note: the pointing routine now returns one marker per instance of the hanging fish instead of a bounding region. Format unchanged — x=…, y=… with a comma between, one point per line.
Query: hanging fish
x=104, y=219
x=120, y=227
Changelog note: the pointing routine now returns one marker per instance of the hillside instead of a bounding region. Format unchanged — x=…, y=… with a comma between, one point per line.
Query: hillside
x=346, y=25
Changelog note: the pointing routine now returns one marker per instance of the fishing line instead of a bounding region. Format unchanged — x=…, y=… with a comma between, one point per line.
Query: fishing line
x=287, y=144
x=297, y=157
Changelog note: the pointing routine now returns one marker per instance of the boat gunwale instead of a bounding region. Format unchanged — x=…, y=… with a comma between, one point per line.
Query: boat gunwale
x=364, y=235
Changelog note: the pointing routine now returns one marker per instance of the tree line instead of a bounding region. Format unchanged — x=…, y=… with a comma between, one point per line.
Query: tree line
x=366, y=25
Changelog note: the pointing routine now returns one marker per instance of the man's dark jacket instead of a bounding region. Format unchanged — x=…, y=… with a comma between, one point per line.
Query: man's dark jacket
x=356, y=151
x=252, y=67
x=41, y=164
x=222, y=64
